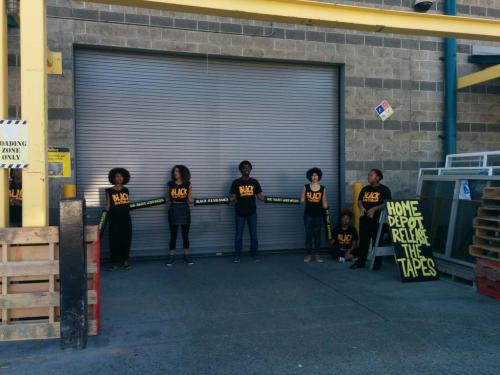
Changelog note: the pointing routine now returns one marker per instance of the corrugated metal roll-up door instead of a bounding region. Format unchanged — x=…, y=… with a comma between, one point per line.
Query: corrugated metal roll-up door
x=147, y=112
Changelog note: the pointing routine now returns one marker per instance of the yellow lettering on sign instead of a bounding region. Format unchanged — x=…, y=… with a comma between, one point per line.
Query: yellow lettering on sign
x=178, y=193
x=246, y=191
x=120, y=198
x=314, y=196
x=371, y=197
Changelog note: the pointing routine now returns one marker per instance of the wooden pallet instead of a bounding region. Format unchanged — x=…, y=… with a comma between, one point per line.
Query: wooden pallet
x=29, y=269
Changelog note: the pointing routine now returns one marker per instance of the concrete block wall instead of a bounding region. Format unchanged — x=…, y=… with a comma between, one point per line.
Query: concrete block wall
x=405, y=70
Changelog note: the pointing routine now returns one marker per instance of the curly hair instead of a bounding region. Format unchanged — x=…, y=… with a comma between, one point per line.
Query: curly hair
x=245, y=162
x=112, y=175
x=347, y=213
x=311, y=171
x=183, y=170
x=378, y=172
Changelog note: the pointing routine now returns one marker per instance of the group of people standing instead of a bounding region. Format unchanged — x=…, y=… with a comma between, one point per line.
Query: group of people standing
x=244, y=192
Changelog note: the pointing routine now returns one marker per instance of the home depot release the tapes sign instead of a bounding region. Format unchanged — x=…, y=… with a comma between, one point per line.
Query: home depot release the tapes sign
x=411, y=242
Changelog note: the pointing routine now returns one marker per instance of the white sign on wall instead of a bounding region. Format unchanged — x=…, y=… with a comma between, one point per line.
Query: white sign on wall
x=384, y=110
x=13, y=144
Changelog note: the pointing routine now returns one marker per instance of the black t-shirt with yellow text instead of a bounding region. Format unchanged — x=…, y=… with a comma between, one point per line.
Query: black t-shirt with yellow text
x=245, y=191
x=373, y=196
x=178, y=192
x=314, y=201
x=15, y=194
x=344, y=238
x=119, y=200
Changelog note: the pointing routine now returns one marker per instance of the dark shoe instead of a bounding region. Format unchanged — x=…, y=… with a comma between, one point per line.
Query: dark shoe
x=126, y=266
x=236, y=259
x=256, y=258
x=188, y=260
x=112, y=268
x=170, y=261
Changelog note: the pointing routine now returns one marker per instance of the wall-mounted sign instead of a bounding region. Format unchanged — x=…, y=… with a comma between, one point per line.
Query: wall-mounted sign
x=59, y=160
x=411, y=242
x=13, y=144
x=384, y=110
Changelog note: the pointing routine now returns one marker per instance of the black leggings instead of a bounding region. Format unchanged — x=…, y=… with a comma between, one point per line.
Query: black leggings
x=174, y=228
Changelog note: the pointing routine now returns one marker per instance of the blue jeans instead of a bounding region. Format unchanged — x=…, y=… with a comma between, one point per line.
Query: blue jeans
x=240, y=227
x=313, y=226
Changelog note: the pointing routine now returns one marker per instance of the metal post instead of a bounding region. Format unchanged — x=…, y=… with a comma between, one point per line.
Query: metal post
x=4, y=112
x=34, y=110
x=450, y=86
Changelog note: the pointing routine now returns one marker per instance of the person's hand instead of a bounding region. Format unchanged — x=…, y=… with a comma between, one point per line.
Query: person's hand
x=362, y=212
x=371, y=213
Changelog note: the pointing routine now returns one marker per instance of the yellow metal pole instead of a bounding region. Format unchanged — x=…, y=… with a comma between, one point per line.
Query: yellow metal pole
x=34, y=110
x=69, y=191
x=356, y=212
x=326, y=14
x=484, y=75
x=4, y=112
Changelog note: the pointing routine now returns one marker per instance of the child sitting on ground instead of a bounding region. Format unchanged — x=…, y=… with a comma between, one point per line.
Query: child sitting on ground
x=345, y=238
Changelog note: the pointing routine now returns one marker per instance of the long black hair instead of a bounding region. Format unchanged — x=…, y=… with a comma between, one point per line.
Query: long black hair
x=312, y=171
x=112, y=175
x=184, y=171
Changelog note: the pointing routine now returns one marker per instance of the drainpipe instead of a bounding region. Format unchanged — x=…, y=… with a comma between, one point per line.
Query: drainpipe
x=450, y=86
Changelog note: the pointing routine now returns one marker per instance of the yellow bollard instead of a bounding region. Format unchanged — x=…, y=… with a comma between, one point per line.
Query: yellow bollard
x=356, y=189
x=69, y=191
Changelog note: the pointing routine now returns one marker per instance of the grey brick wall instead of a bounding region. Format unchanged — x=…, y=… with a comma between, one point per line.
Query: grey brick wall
x=405, y=70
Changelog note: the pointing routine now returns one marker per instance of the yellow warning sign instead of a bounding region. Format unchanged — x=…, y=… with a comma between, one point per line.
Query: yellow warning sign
x=59, y=162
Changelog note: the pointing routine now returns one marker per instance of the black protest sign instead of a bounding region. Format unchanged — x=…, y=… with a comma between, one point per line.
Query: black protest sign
x=210, y=201
x=328, y=225
x=282, y=200
x=148, y=203
x=411, y=242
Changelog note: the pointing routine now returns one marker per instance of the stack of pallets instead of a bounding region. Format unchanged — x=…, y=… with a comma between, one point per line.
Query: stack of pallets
x=486, y=243
x=29, y=282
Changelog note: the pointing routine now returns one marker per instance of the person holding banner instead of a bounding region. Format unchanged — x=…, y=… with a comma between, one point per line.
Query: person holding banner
x=180, y=195
x=371, y=202
x=120, y=223
x=244, y=190
x=314, y=195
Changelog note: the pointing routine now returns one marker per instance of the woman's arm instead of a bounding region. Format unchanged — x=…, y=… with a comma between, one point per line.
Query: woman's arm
x=190, y=194
x=324, y=200
x=108, y=203
x=261, y=197
x=303, y=195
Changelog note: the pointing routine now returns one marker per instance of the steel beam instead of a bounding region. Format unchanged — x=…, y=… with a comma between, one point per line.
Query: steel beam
x=315, y=13
x=479, y=77
x=4, y=112
x=34, y=110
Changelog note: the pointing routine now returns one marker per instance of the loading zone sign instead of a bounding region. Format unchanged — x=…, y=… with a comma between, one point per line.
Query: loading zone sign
x=384, y=110
x=13, y=144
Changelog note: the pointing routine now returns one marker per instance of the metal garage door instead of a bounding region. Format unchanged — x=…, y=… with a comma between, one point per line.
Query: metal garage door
x=147, y=112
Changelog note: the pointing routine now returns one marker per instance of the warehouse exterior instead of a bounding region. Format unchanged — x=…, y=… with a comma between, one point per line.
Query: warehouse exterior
x=346, y=74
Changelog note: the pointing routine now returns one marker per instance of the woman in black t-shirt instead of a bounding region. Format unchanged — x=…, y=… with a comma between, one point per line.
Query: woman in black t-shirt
x=120, y=223
x=179, y=214
x=371, y=202
x=314, y=195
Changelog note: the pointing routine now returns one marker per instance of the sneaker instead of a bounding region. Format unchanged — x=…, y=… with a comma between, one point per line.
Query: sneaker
x=256, y=258
x=126, y=266
x=188, y=260
x=307, y=259
x=341, y=260
x=236, y=259
x=318, y=259
x=170, y=261
x=112, y=268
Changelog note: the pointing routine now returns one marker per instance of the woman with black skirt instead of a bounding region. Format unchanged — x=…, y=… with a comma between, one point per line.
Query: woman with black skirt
x=179, y=214
x=120, y=223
